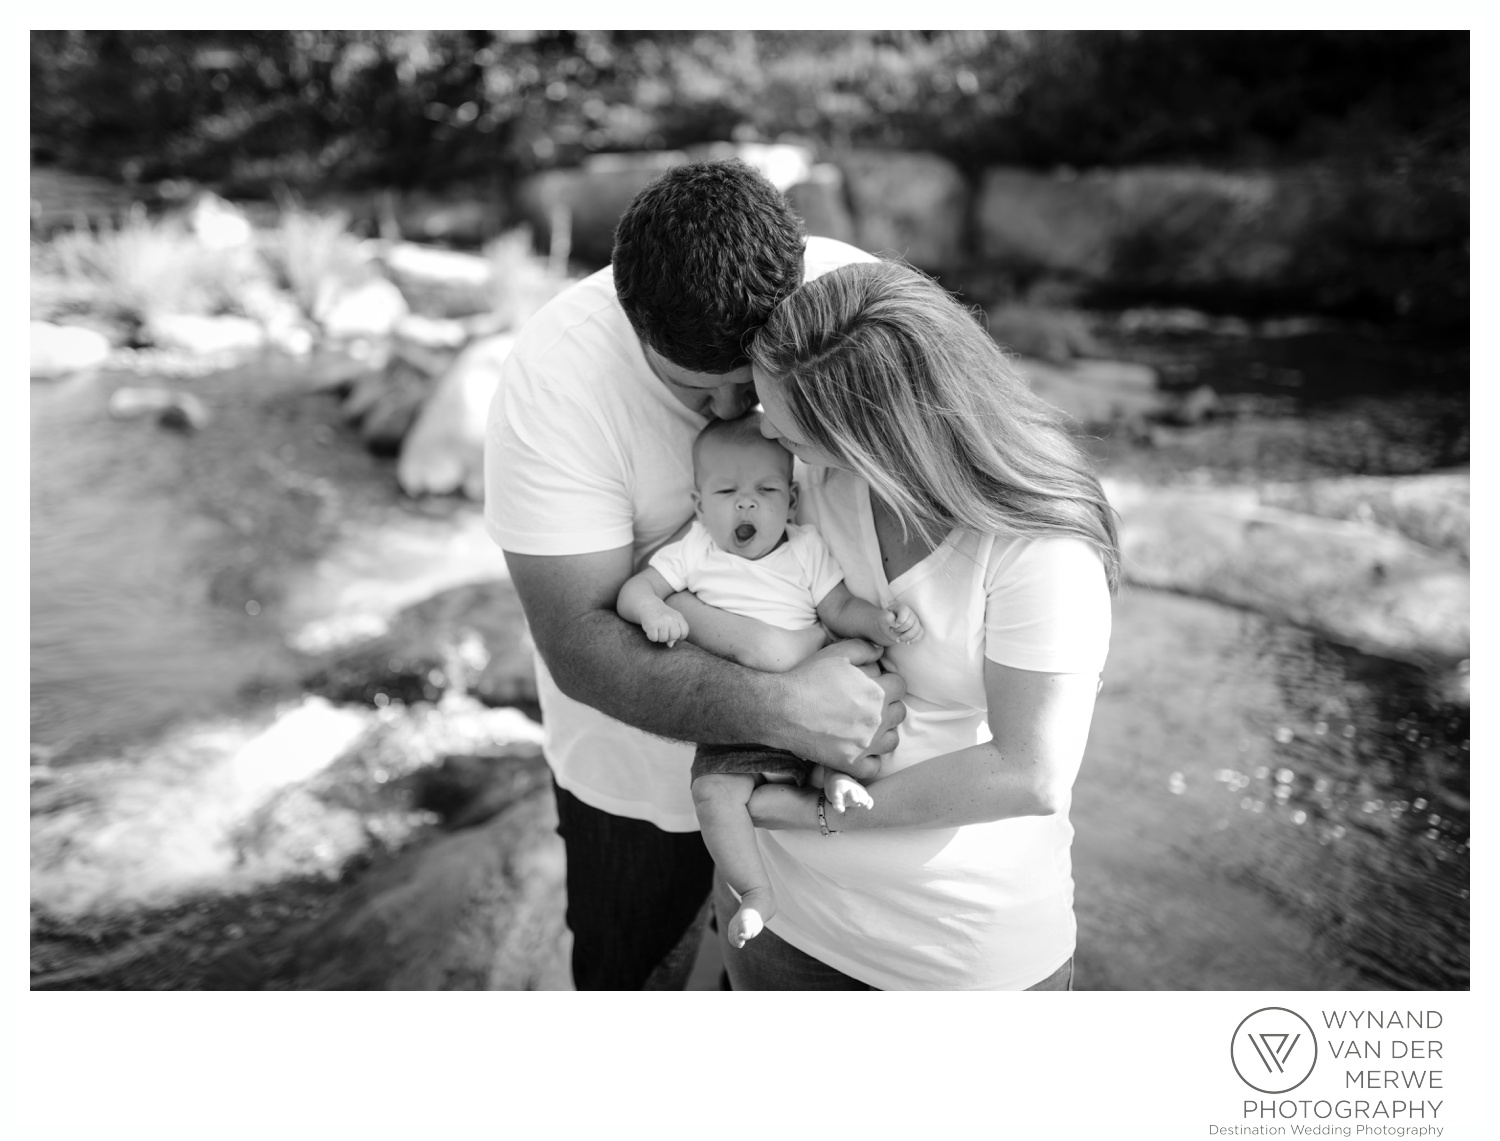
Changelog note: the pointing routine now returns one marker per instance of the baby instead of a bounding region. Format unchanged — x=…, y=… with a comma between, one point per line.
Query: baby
x=743, y=554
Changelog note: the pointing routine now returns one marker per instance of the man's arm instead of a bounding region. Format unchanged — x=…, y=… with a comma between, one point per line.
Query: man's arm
x=835, y=708
x=640, y=601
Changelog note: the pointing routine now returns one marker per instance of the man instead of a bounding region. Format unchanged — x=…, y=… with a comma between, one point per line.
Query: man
x=588, y=469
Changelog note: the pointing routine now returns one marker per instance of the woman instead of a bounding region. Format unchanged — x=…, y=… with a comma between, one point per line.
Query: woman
x=939, y=481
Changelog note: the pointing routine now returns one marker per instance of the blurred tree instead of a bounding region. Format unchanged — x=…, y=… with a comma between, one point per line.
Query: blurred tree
x=253, y=110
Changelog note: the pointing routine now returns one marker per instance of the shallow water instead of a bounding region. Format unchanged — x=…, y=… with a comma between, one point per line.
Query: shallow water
x=125, y=634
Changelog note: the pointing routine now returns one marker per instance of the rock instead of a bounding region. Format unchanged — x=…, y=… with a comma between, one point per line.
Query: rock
x=218, y=224
x=445, y=450
x=57, y=350
x=432, y=332
x=440, y=283
x=1195, y=407
x=206, y=336
x=1301, y=236
x=910, y=204
x=820, y=202
x=356, y=589
x=1143, y=226
x=429, y=263
x=1431, y=509
x=386, y=405
x=1359, y=584
x=278, y=315
x=480, y=909
x=461, y=221
x=1053, y=335
x=370, y=308
x=591, y=196
x=470, y=638
x=1036, y=222
x=783, y=164
x=185, y=415
x=174, y=409
x=1097, y=392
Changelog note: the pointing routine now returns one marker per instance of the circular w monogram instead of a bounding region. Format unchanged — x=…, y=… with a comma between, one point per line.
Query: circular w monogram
x=1273, y=1050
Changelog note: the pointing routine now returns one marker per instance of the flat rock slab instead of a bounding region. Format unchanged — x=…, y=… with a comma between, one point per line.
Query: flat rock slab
x=1360, y=583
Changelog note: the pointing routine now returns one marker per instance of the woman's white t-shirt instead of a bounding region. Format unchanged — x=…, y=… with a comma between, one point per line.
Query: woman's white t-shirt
x=985, y=906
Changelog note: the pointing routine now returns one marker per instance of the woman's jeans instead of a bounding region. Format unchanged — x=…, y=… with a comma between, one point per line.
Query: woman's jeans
x=771, y=963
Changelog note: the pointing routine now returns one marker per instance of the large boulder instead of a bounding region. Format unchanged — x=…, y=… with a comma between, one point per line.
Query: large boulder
x=1097, y=392
x=1305, y=236
x=589, y=199
x=206, y=336
x=478, y=909
x=444, y=451
x=350, y=309
x=910, y=204
x=822, y=203
x=57, y=350
x=1358, y=583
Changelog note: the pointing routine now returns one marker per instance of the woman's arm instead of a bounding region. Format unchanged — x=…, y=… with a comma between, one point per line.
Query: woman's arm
x=748, y=641
x=1040, y=723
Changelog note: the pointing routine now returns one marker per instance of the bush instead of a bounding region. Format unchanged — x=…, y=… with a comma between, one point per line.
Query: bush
x=307, y=252
x=125, y=273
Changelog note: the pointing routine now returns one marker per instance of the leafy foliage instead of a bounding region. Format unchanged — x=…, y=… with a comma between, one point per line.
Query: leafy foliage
x=259, y=109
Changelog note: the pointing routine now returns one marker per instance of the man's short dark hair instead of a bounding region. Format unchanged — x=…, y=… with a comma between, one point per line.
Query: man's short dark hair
x=701, y=257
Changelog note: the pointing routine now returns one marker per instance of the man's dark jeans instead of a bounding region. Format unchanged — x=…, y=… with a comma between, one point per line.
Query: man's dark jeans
x=637, y=898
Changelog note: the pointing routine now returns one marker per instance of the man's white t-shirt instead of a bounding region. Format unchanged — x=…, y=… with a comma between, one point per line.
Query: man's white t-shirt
x=985, y=906
x=782, y=588
x=587, y=450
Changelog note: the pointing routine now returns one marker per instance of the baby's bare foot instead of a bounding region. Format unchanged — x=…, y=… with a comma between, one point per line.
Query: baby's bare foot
x=843, y=792
x=756, y=906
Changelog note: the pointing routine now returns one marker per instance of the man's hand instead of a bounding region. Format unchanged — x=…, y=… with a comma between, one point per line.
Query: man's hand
x=841, y=711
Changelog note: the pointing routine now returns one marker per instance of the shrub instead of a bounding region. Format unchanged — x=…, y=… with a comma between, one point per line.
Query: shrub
x=307, y=252
x=144, y=266
x=521, y=281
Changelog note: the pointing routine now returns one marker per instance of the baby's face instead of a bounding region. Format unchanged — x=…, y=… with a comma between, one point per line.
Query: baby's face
x=745, y=495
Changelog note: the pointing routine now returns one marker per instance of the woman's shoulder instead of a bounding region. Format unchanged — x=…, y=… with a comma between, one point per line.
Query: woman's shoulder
x=1020, y=557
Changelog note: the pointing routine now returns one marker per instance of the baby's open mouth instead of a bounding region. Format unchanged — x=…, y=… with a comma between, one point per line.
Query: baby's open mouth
x=744, y=532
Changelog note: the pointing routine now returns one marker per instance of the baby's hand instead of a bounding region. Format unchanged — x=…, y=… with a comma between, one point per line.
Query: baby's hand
x=665, y=625
x=900, y=624
x=842, y=791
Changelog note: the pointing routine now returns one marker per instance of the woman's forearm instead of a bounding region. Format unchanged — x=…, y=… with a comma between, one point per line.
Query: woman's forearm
x=972, y=786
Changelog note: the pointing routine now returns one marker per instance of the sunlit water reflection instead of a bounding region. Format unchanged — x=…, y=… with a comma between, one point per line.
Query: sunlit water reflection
x=1374, y=769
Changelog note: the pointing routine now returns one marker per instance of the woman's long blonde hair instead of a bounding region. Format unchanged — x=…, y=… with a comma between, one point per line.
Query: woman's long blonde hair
x=885, y=371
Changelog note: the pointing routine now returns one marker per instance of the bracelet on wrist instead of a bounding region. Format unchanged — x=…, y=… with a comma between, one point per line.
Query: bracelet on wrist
x=823, y=817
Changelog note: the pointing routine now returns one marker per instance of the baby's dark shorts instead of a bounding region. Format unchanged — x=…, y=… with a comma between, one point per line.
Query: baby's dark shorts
x=761, y=760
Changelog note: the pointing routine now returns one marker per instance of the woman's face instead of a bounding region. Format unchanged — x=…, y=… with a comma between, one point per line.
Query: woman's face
x=777, y=423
